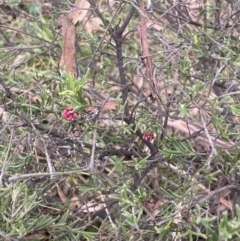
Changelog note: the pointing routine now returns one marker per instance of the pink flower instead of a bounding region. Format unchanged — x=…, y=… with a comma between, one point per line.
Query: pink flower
x=70, y=118
x=64, y=113
x=74, y=115
x=68, y=114
x=148, y=136
x=149, y=204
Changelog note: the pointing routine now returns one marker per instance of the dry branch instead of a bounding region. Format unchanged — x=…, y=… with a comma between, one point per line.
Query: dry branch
x=68, y=51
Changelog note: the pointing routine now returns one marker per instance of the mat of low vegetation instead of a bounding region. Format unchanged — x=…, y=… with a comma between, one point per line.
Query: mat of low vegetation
x=119, y=120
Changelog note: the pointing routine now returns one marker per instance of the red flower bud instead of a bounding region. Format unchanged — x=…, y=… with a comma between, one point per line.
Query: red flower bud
x=148, y=136
x=149, y=203
x=70, y=118
x=68, y=114
x=64, y=113
x=74, y=115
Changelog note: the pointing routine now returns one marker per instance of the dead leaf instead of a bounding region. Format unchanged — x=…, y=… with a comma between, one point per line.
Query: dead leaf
x=36, y=236
x=92, y=207
x=61, y=194
x=75, y=203
x=80, y=12
x=3, y=114
x=109, y=105
x=69, y=38
x=93, y=24
x=154, y=25
x=138, y=81
x=156, y=206
x=147, y=60
x=32, y=97
x=190, y=129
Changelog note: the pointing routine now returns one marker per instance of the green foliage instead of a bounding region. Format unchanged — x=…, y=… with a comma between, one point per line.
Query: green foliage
x=173, y=148
x=229, y=229
x=147, y=190
x=71, y=90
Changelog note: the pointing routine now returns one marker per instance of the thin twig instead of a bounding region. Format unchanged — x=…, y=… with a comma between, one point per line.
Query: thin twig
x=200, y=202
x=30, y=175
x=49, y=162
x=213, y=151
x=219, y=70
x=229, y=94
x=91, y=165
x=118, y=38
x=145, y=52
x=103, y=198
x=194, y=180
x=108, y=28
x=4, y=235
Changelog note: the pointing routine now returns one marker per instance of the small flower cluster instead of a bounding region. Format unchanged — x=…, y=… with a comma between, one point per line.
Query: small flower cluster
x=149, y=204
x=69, y=114
x=148, y=136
